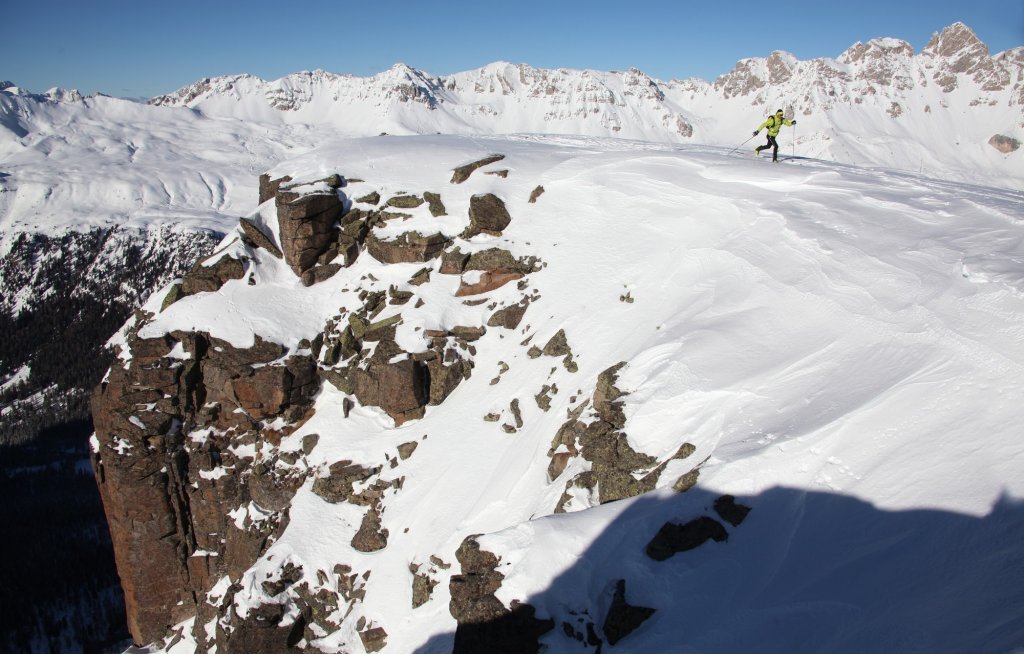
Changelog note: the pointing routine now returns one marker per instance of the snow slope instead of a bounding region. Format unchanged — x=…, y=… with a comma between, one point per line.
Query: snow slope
x=843, y=346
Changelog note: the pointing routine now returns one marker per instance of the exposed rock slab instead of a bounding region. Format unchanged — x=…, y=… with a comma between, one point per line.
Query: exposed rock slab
x=462, y=173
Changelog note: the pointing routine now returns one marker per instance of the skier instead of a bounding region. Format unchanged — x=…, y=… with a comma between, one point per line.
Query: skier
x=774, y=124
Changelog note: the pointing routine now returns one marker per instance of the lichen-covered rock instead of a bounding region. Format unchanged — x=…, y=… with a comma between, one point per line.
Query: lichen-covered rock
x=209, y=278
x=422, y=588
x=453, y=262
x=408, y=247
x=371, y=536
x=405, y=201
x=173, y=295
x=509, y=317
x=338, y=485
x=370, y=198
x=617, y=471
x=462, y=173
x=487, y=215
x=255, y=235
x=557, y=345
x=437, y=207
x=485, y=625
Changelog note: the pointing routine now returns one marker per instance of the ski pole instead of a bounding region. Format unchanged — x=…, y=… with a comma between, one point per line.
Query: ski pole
x=794, y=140
x=740, y=145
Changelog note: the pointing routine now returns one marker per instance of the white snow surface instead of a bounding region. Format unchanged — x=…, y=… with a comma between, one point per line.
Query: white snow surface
x=844, y=346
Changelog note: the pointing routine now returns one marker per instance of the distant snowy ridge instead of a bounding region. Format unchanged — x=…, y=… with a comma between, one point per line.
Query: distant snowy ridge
x=877, y=103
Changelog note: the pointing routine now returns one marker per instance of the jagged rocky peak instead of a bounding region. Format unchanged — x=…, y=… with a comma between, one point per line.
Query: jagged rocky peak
x=207, y=86
x=959, y=41
x=745, y=78
x=876, y=49
x=408, y=84
x=780, y=66
x=884, y=61
x=292, y=91
x=957, y=50
x=57, y=94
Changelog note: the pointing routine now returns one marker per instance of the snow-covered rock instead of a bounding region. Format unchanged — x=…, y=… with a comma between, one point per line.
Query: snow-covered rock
x=791, y=390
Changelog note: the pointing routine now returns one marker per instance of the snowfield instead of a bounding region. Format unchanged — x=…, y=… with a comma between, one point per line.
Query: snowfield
x=843, y=346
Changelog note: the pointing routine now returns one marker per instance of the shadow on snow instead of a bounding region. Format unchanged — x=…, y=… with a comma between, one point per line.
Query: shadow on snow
x=804, y=572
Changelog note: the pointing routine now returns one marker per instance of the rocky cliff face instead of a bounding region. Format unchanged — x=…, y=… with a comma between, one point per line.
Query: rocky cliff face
x=189, y=428
x=203, y=445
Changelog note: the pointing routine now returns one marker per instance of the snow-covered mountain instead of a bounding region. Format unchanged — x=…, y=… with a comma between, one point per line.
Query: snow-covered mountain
x=597, y=394
x=837, y=336
x=877, y=104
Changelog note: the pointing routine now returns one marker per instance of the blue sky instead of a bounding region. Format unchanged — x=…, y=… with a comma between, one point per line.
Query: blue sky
x=144, y=48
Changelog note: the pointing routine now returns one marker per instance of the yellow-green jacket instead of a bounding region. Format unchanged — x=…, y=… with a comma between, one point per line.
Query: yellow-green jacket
x=774, y=125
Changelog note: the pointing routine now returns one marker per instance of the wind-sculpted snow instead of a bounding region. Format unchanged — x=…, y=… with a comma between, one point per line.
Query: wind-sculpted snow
x=840, y=349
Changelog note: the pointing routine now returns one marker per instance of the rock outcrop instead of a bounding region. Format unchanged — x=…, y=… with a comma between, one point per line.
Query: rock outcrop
x=205, y=278
x=166, y=499
x=462, y=173
x=486, y=625
x=1005, y=144
x=188, y=450
x=616, y=470
x=487, y=215
x=306, y=218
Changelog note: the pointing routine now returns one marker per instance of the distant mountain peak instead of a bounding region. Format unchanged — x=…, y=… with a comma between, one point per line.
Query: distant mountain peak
x=956, y=40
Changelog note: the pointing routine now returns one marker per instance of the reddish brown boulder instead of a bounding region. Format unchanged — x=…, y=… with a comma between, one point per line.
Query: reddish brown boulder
x=209, y=278
x=307, y=226
x=269, y=187
x=400, y=389
x=486, y=282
